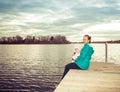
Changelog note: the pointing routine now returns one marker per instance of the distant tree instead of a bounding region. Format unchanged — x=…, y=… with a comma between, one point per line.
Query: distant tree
x=34, y=40
x=51, y=38
x=19, y=39
x=4, y=40
x=29, y=40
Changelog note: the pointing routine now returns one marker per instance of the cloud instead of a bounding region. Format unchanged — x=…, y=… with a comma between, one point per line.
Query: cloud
x=72, y=18
x=31, y=32
x=43, y=18
x=104, y=27
x=106, y=31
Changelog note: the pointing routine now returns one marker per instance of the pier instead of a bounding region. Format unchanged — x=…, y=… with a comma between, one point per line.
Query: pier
x=101, y=77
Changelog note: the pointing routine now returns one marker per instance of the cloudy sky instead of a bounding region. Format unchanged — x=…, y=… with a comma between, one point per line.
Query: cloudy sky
x=72, y=18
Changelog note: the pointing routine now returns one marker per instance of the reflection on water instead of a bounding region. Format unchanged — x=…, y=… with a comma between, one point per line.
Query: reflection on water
x=38, y=68
x=32, y=68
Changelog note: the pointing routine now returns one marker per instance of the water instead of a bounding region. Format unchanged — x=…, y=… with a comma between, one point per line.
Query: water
x=32, y=68
x=113, y=53
x=38, y=68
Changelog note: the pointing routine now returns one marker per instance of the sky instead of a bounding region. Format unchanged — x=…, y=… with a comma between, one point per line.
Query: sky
x=71, y=18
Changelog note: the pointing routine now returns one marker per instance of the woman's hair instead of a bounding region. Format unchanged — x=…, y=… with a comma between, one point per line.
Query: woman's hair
x=89, y=38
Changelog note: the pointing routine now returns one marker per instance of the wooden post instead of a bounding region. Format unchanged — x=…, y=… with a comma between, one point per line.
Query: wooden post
x=106, y=52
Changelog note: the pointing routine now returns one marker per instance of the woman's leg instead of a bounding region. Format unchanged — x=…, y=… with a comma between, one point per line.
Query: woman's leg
x=68, y=67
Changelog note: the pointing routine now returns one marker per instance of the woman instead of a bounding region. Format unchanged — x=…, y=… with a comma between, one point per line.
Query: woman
x=82, y=62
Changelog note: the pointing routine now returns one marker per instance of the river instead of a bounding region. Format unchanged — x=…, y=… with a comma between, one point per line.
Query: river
x=38, y=68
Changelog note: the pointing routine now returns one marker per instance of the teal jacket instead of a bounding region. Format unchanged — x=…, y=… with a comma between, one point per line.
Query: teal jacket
x=83, y=60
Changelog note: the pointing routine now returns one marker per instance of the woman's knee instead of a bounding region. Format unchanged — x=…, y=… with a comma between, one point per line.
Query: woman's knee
x=67, y=66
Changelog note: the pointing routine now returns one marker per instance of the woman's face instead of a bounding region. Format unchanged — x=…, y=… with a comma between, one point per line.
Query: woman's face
x=85, y=40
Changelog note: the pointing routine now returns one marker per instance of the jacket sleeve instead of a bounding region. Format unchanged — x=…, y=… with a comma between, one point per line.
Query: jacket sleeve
x=83, y=52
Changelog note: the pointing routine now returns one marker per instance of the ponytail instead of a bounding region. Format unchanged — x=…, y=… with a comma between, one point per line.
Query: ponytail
x=89, y=38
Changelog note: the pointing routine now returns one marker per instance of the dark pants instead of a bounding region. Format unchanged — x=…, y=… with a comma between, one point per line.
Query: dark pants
x=68, y=67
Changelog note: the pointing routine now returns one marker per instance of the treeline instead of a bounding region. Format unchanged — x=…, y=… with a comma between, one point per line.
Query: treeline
x=34, y=40
x=116, y=41
x=112, y=41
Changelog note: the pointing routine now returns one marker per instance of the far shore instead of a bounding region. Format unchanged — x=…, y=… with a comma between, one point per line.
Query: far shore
x=97, y=42
x=58, y=43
